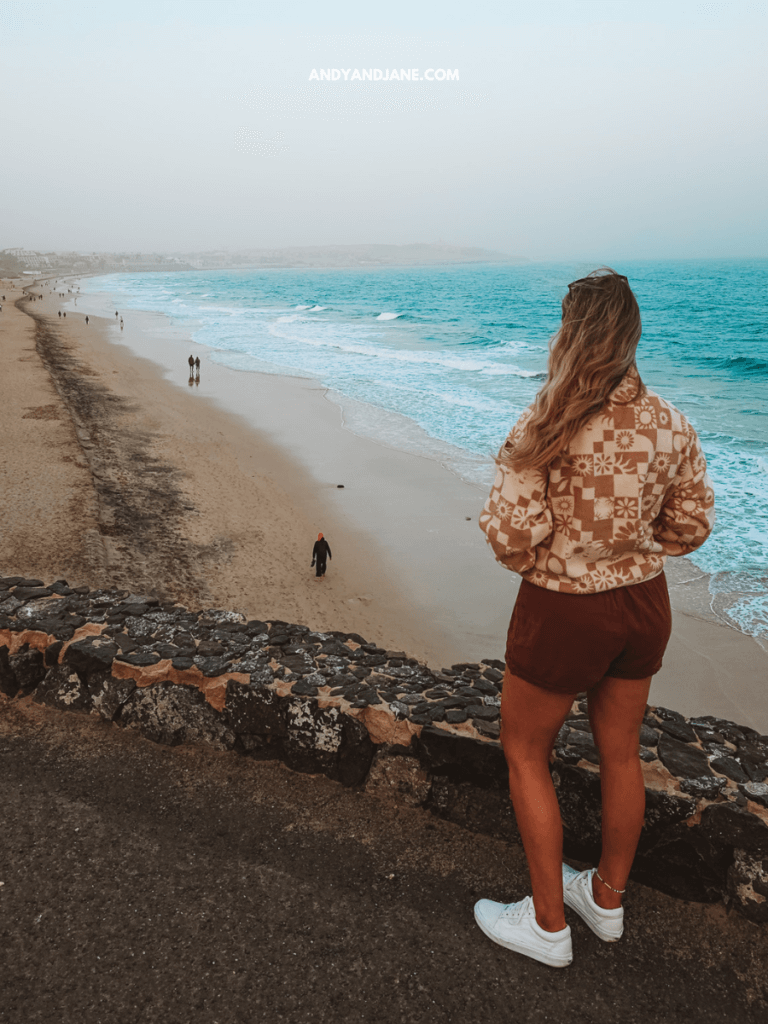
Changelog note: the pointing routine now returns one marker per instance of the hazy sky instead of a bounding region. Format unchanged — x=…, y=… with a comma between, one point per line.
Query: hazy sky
x=593, y=129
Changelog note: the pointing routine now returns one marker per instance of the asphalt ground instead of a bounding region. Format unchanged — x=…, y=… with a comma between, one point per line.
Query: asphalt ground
x=150, y=884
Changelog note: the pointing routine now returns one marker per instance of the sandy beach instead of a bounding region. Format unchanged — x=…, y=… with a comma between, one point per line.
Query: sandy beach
x=117, y=470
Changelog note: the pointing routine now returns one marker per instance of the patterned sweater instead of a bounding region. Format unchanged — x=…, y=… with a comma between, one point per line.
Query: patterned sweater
x=631, y=489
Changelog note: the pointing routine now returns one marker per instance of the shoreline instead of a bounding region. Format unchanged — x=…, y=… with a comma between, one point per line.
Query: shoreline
x=400, y=521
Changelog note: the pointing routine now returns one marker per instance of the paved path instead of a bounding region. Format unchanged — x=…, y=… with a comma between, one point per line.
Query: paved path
x=153, y=885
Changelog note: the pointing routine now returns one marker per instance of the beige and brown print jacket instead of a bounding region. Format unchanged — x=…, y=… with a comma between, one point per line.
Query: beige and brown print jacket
x=631, y=489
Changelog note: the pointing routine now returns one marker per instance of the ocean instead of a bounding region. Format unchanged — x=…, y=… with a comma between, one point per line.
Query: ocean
x=461, y=350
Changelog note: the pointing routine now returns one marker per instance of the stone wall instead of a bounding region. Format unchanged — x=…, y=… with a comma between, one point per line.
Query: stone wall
x=333, y=703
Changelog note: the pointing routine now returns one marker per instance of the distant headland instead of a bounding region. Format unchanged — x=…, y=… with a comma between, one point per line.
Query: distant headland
x=27, y=262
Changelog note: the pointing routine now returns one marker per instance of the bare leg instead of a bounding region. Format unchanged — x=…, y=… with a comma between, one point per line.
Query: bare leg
x=530, y=721
x=616, y=709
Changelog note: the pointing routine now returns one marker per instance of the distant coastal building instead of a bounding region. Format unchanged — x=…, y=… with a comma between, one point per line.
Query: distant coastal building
x=27, y=257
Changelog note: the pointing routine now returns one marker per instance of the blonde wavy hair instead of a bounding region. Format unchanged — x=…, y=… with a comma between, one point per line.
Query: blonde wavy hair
x=588, y=357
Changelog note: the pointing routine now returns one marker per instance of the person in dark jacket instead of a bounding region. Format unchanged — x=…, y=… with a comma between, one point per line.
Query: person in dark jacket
x=320, y=552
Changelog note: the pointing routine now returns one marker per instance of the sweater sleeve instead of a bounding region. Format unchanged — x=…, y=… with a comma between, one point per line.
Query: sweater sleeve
x=516, y=517
x=688, y=513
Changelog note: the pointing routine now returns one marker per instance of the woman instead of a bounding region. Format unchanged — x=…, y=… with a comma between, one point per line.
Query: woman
x=599, y=480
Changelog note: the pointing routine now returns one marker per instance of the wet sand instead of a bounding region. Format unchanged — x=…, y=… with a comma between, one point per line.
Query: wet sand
x=214, y=493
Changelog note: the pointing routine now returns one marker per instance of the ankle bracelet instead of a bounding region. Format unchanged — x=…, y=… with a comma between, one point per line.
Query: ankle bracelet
x=619, y=891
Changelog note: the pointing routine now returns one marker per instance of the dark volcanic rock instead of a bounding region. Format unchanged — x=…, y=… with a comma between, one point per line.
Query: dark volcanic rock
x=484, y=712
x=211, y=667
x=135, y=609
x=52, y=652
x=210, y=649
x=304, y=689
x=578, y=793
x=581, y=743
x=28, y=669
x=63, y=688
x=757, y=791
x=139, y=658
x=125, y=643
x=171, y=714
x=486, y=688
x=8, y=684
x=109, y=694
x=463, y=759
x=579, y=724
x=706, y=787
x=254, y=710
x=680, y=730
x=648, y=737
x=9, y=605
x=756, y=773
x=683, y=760
x=490, y=729
x=730, y=767
x=355, y=753
x=455, y=715
x=300, y=664
x=727, y=730
x=182, y=664
x=29, y=593
x=166, y=650
x=314, y=735
x=494, y=671
x=730, y=826
x=61, y=587
x=92, y=654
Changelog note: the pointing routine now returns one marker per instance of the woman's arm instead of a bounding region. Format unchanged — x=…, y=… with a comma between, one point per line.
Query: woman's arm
x=516, y=517
x=688, y=513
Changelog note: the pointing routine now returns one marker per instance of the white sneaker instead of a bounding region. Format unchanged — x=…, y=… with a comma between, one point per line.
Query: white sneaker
x=514, y=926
x=607, y=925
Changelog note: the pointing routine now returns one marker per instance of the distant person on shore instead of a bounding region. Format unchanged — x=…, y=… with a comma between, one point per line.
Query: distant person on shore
x=197, y=369
x=87, y=320
x=191, y=362
x=59, y=312
x=320, y=552
x=598, y=482
x=115, y=314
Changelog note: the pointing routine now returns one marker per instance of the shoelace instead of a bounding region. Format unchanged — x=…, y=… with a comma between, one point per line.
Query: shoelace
x=515, y=910
x=575, y=880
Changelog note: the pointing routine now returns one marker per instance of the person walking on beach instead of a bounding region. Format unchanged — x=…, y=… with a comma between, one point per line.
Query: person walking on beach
x=598, y=482
x=197, y=367
x=191, y=362
x=87, y=320
x=320, y=552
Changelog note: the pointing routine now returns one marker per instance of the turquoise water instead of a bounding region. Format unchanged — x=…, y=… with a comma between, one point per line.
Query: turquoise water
x=461, y=350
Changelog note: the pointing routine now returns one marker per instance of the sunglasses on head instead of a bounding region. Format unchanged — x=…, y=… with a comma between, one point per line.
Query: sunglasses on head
x=590, y=281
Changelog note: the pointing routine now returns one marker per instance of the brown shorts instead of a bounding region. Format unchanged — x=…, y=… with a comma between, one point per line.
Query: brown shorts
x=566, y=643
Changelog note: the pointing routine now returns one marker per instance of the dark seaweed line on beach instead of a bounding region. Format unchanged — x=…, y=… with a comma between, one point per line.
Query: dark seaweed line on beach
x=140, y=507
x=334, y=703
